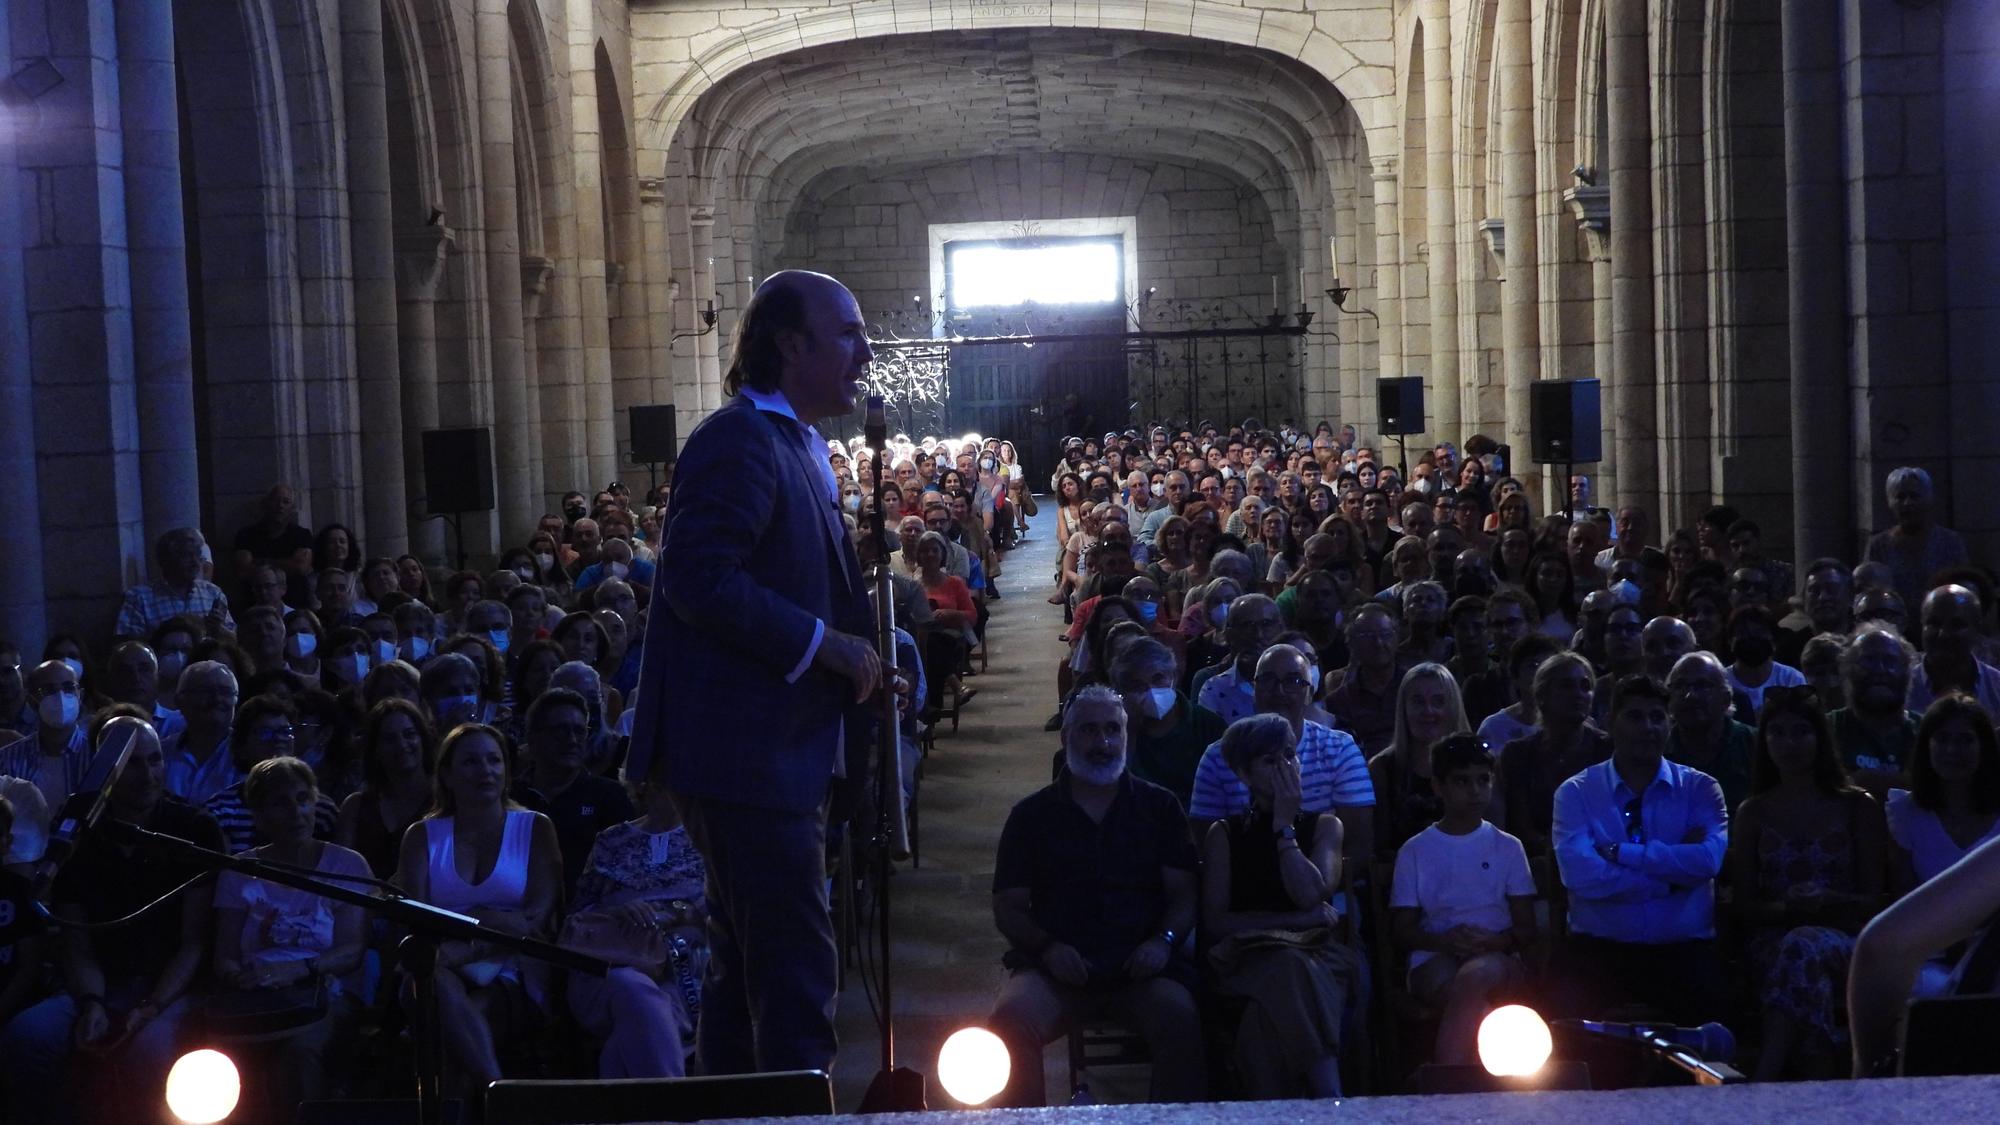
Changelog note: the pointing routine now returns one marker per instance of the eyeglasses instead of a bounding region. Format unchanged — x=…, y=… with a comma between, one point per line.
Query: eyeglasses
x=273, y=734
x=1635, y=827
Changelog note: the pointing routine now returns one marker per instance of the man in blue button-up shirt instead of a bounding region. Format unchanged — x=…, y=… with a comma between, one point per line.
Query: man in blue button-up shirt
x=1639, y=840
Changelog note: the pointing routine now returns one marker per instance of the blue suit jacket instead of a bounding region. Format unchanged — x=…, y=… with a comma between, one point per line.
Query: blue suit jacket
x=748, y=564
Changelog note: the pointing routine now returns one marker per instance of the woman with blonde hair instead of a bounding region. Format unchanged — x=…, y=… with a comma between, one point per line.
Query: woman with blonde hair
x=1428, y=708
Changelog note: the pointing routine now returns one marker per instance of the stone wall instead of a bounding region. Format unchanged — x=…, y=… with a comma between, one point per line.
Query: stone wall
x=1205, y=240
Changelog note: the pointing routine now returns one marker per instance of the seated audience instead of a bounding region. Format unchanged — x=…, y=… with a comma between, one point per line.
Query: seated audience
x=199, y=764
x=556, y=784
x=1427, y=709
x=177, y=590
x=105, y=1042
x=270, y=937
x=1268, y=872
x=478, y=853
x=395, y=752
x=1917, y=547
x=1639, y=841
x=1168, y=731
x=1704, y=735
x=646, y=876
x=1566, y=741
x=1522, y=717
x=1094, y=889
x=1226, y=689
x=1462, y=903
x=1363, y=695
x=1953, y=803
x=1806, y=866
x=1876, y=732
x=266, y=727
x=57, y=755
x=1951, y=620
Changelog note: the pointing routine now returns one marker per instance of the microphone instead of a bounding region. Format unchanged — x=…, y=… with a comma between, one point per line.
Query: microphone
x=1711, y=1041
x=875, y=429
x=121, y=736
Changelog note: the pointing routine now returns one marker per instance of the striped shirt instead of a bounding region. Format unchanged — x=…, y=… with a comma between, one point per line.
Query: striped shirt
x=239, y=831
x=24, y=759
x=148, y=605
x=1332, y=775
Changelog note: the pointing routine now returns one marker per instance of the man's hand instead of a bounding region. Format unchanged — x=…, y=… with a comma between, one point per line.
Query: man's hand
x=852, y=659
x=92, y=1024
x=1148, y=959
x=1065, y=964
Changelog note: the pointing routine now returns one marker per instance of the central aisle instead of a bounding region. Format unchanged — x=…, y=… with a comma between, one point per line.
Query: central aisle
x=946, y=951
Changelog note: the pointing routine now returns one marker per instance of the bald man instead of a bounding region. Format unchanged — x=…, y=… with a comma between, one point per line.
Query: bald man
x=759, y=669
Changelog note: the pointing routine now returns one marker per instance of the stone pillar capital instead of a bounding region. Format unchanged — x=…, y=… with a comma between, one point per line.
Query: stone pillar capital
x=420, y=256
x=652, y=190
x=1591, y=204
x=535, y=274
x=701, y=216
x=1382, y=169
x=1495, y=231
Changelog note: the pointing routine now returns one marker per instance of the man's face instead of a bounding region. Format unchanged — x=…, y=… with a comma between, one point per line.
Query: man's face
x=1417, y=520
x=1372, y=642
x=281, y=506
x=1700, y=695
x=1748, y=586
x=1951, y=622
x=209, y=701
x=938, y=519
x=53, y=679
x=1910, y=500
x=1639, y=729
x=1113, y=557
x=1632, y=527
x=268, y=586
x=1374, y=508
x=1622, y=629
x=1211, y=490
x=1094, y=741
x=558, y=736
x=1423, y=607
x=1664, y=645
x=1469, y=634
x=1829, y=597
x=586, y=536
x=529, y=611
x=132, y=675
x=1409, y=562
x=1466, y=790
x=1250, y=628
x=181, y=561
x=825, y=361
x=1878, y=674
x=616, y=525
x=1283, y=683
x=1506, y=622
x=336, y=590
x=1177, y=489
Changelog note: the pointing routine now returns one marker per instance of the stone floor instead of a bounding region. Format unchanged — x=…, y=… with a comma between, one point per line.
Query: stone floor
x=946, y=952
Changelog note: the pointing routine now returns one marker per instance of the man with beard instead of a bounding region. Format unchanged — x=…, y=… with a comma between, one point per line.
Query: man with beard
x=1826, y=606
x=1094, y=889
x=1875, y=734
x=1704, y=736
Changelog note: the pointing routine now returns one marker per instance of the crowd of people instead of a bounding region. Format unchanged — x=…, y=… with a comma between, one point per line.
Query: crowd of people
x=456, y=738
x=1338, y=751
x=1349, y=759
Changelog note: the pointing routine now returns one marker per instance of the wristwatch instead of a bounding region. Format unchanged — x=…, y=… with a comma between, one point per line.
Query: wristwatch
x=1172, y=939
x=1286, y=833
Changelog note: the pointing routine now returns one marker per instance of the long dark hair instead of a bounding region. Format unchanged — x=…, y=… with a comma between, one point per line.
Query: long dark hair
x=1926, y=787
x=1829, y=776
x=754, y=360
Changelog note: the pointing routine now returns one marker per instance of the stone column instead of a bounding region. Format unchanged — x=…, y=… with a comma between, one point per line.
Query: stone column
x=1388, y=273
x=156, y=235
x=1520, y=311
x=1592, y=209
x=659, y=307
x=1441, y=209
x=1629, y=159
x=372, y=238
x=701, y=272
x=420, y=256
x=1823, y=515
x=23, y=615
x=513, y=493
x=535, y=273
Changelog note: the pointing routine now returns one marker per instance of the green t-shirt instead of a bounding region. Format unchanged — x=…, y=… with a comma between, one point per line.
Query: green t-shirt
x=1730, y=768
x=1169, y=760
x=1861, y=749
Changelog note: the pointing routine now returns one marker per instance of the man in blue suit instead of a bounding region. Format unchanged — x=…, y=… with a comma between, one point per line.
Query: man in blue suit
x=758, y=666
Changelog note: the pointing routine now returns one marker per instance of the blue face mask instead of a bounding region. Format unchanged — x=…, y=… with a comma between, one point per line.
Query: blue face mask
x=1149, y=612
x=1219, y=616
x=499, y=639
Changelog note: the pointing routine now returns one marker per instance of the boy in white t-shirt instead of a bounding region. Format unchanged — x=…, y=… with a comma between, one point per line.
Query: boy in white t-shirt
x=1463, y=899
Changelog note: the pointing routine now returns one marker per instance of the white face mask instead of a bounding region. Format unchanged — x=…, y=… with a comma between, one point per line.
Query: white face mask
x=301, y=645
x=527, y=573
x=1312, y=678
x=1159, y=703
x=620, y=570
x=1159, y=488
x=851, y=502
x=545, y=560
x=58, y=709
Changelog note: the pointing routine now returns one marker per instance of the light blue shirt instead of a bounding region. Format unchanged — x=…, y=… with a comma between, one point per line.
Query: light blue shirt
x=1229, y=695
x=1659, y=890
x=195, y=781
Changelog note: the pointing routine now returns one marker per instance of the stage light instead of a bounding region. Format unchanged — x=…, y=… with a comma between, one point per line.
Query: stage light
x=973, y=1066
x=203, y=1086
x=1513, y=1042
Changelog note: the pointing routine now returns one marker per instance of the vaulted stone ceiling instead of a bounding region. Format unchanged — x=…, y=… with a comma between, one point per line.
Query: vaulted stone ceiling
x=770, y=129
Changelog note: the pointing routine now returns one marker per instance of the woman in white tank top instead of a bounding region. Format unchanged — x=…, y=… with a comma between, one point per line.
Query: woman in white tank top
x=480, y=854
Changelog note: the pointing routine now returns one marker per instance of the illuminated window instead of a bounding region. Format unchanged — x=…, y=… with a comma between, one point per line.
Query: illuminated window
x=1046, y=271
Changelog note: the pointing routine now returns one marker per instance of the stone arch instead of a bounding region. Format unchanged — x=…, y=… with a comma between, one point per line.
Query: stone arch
x=244, y=300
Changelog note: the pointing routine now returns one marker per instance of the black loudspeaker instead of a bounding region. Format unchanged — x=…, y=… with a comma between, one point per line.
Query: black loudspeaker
x=1564, y=423
x=653, y=436
x=458, y=470
x=1400, y=405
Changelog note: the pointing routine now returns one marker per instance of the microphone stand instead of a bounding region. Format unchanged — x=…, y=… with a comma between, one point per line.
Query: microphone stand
x=894, y=1089
x=429, y=926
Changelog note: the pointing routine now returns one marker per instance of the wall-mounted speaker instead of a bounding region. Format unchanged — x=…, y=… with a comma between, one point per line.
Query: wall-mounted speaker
x=653, y=435
x=458, y=470
x=1400, y=405
x=1564, y=422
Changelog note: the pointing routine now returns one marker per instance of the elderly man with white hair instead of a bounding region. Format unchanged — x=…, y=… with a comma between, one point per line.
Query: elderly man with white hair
x=1094, y=889
x=1917, y=547
x=177, y=589
x=198, y=762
